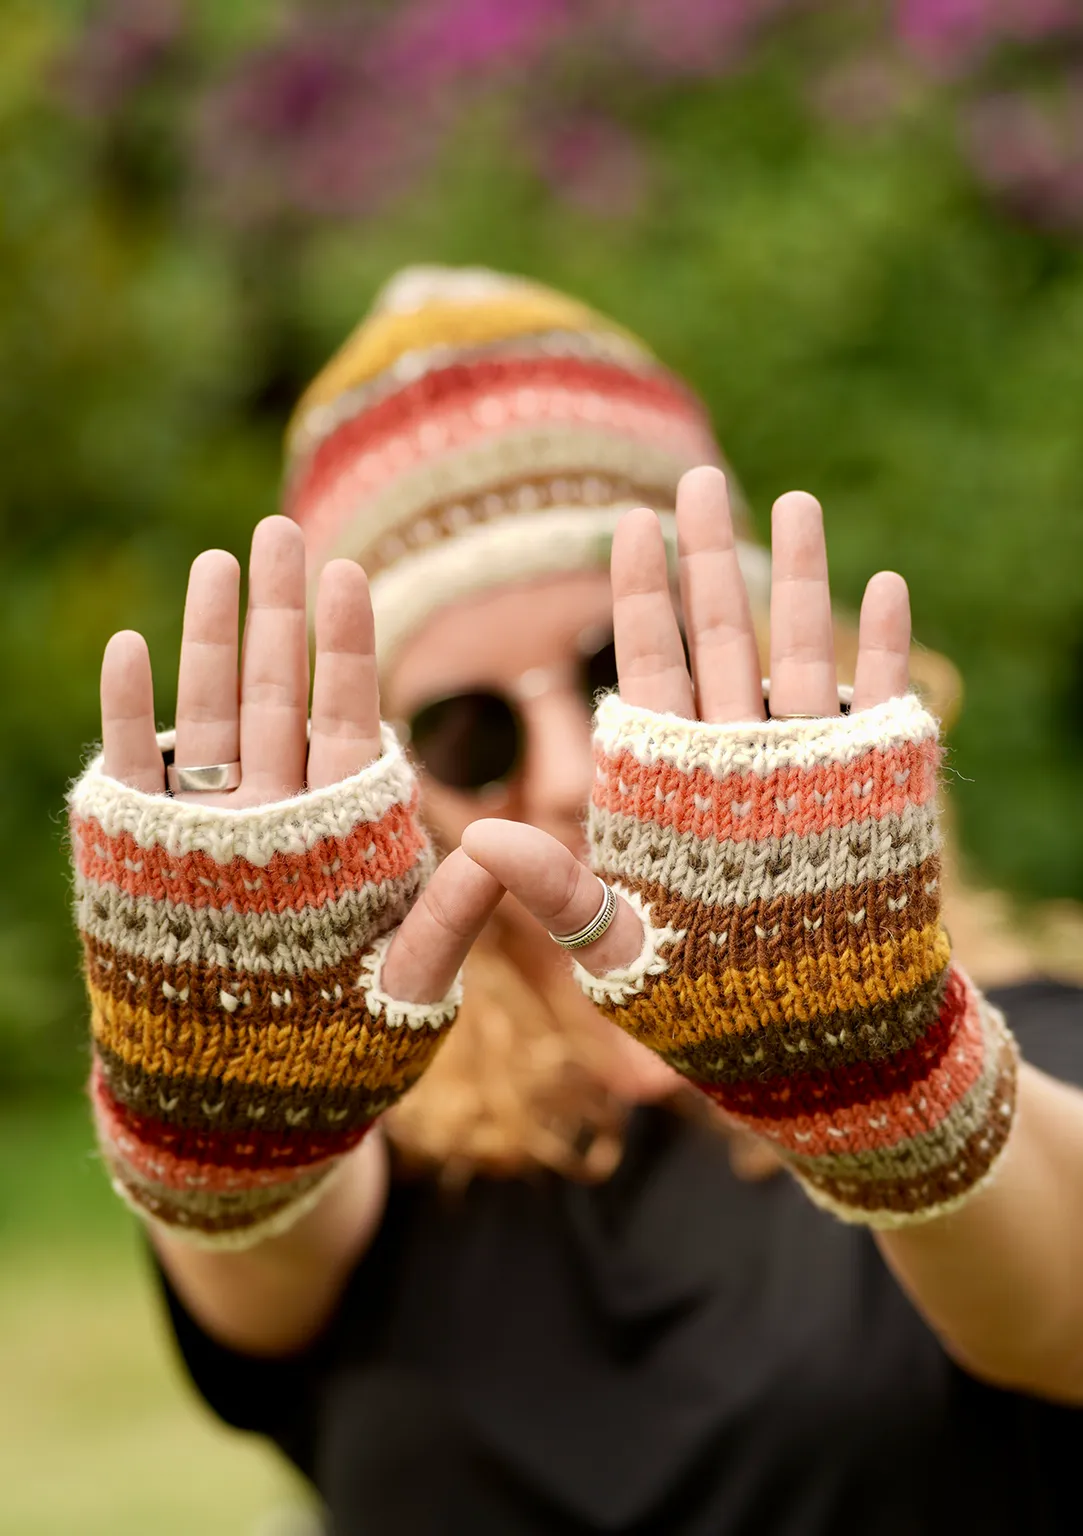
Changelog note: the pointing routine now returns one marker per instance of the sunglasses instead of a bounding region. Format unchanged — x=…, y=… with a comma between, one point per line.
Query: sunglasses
x=475, y=741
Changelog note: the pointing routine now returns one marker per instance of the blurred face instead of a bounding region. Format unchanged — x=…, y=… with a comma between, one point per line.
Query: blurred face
x=527, y=654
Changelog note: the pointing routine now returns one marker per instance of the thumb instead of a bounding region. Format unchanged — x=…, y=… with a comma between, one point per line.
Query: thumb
x=436, y=934
x=555, y=888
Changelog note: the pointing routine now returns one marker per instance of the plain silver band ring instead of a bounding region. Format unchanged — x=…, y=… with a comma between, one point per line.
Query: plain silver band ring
x=598, y=924
x=846, y=696
x=207, y=777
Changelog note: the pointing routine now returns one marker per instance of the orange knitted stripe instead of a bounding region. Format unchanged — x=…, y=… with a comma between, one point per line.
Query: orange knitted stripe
x=373, y=852
x=791, y=800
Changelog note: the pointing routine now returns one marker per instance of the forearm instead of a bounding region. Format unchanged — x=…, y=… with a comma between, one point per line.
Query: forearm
x=998, y=1279
x=275, y=1296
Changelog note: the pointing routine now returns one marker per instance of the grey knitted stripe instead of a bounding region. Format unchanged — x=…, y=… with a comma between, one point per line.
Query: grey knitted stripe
x=736, y=872
x=280, y=943
x=209, y=1210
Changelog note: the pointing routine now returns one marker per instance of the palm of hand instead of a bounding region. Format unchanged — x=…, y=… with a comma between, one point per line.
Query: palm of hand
x=264, y=720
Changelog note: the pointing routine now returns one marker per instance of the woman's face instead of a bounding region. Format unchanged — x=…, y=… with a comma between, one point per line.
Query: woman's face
x=526, y=643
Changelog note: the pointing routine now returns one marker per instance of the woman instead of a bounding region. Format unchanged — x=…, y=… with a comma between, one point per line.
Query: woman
x=532, y=1293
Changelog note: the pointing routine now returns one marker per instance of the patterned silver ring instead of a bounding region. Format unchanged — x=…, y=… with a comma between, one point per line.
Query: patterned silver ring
x=598, y=924
x=203, y=779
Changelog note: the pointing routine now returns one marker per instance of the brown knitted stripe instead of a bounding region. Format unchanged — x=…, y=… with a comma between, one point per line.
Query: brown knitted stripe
x=201, y=1211
x=446, y=517
x=467, y=472
x=159, y=989
x=122, y=927
x=743, y=936
x=179, y=1099
x=761, y=869
x=822, y=1044
x=965, y=1162
x=346, y=1049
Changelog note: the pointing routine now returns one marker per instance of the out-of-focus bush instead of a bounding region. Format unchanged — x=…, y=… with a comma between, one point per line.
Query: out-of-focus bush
x=858, y=230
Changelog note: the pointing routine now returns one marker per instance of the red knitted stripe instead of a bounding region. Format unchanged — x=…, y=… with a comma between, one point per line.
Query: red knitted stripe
x=894, y=1118
x=279, y=1154
x=373, y=853
x=464, y=383
x=743, y=806
x=826, y=1092
x=456, y=429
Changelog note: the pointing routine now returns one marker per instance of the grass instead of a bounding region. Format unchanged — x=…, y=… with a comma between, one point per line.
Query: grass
x=100, y=1432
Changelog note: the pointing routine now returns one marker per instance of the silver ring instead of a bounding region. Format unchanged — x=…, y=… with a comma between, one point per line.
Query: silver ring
x=207, y=777
x=846, y=697
x=598, y=924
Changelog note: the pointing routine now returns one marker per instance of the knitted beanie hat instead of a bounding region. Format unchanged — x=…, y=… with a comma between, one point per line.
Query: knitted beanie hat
x=477, y=429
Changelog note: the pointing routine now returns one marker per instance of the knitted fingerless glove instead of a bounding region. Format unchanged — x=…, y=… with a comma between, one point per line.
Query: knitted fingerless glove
x=241, y=1040
x=794, y=963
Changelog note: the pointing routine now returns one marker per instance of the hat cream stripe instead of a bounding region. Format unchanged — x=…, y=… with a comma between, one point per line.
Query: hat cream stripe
x=515, y=549
x=490, y=420
x=363, y=523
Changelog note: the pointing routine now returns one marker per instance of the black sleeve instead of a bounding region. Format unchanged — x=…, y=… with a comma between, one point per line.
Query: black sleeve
x=272, y=1397
x=1046, y=1018
x=280, y=1396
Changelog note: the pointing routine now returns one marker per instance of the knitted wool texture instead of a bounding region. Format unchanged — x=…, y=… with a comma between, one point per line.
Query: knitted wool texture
x=241, y=1039
x=794, y=963
x=478, y=429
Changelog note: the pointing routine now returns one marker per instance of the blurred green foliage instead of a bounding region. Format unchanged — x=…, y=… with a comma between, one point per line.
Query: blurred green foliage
x=865, y=319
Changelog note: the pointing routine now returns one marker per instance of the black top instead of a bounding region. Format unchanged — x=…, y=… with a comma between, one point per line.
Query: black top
x=673, y=1351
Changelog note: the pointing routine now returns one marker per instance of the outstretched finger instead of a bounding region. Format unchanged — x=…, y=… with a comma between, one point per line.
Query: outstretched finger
x=207, y=711
x=651, y=667
x=438, y=931
x=883, y=655
x=274, y=662
x=345, y=691
x=803, y=678
x=717, y=615
x=129, y=745
x=555, y=888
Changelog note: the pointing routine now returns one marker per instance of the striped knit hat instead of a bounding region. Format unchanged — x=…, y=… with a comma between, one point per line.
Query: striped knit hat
x=478, y=429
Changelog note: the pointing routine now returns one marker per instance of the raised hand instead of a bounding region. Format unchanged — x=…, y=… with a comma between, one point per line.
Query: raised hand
x=262, y=719
x=725, y=682
x=780, y=941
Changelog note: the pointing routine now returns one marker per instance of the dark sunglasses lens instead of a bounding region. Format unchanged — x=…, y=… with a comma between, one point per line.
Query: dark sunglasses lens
x=600, y=671
x=467, y=741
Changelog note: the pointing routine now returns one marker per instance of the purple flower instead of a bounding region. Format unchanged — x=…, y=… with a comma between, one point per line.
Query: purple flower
x=1026, y=151
x=593, y=163
x=950, y=32
x=429, y=42
x=863, y=92
x=119, y=51
x=307, y=126
x=691, y=37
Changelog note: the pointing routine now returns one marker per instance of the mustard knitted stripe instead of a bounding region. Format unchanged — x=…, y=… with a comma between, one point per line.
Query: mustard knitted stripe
x=676, y=1011
x=344, y=1051
x=382, y=338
